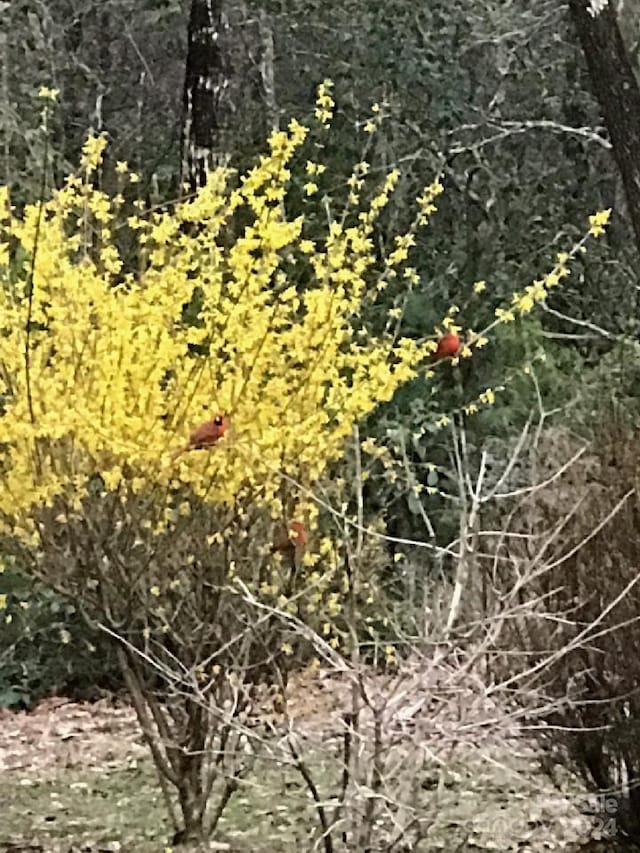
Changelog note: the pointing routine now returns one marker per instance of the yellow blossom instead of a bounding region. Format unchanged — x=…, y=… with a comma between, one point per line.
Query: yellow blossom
x=598, y=222
x=324, y=103
x=48, y=94
x=92, y=152
x=312, y=168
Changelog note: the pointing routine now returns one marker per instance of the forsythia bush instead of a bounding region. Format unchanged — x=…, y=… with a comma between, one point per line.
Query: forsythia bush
x=122, y=331
x=232, y=309
x=101, y=374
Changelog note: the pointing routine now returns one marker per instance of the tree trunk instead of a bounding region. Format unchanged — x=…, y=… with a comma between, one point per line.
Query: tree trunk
x=616, y=88
x=204, y=119
x=177, y=750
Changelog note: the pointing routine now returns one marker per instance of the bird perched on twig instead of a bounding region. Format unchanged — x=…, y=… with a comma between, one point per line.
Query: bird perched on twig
x=206, y=435
x=448, y=347
x=289, y=539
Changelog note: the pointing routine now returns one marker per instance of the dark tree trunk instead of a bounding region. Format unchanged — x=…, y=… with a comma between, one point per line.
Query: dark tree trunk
x=205, y=109
x=617, y=91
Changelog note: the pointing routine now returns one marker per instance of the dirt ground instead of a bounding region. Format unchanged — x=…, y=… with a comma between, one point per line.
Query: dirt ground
x=77, y=777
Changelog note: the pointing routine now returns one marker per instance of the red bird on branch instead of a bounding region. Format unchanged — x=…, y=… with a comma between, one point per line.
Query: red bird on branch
x=448, y=347
x=290, y=539
x=206, y=435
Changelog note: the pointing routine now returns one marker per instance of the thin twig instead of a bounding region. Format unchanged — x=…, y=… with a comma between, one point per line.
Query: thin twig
x=31, y=275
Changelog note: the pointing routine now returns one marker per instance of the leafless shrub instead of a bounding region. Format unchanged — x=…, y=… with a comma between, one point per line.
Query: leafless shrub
x=570, y=566
x=426, y=726
x=420, y=730
x=192, y=654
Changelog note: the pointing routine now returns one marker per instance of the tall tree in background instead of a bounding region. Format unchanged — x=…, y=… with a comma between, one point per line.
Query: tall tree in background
x=206, y=86
x=616, y=88
x=228, y=100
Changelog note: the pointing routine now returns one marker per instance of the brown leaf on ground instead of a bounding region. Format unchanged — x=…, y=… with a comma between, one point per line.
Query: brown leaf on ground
x=62, y=734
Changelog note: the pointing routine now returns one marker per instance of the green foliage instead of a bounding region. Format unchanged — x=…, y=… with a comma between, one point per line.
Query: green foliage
x=609, y=390
x=46, y=648
x=522, y=366
x=119, y=67
x=491, y=95
x=530, y=367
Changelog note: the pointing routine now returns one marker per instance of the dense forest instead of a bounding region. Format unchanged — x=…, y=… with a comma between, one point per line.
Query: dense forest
x=318, y=424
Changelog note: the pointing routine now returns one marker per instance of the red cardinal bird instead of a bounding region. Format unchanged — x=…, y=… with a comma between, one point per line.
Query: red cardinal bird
x=206, y=435
x=448, y=347
x=290, y=539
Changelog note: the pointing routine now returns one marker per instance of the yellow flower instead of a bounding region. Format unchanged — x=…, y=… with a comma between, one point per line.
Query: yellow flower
x=523, y=301
x=598, y=221
x=324, y=103
x=504, y=315
x=48, y=94
x=312, y=168
x=92, y=152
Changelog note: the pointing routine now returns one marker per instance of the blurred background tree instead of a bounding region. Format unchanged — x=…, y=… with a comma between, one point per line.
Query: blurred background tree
x=497, y=97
